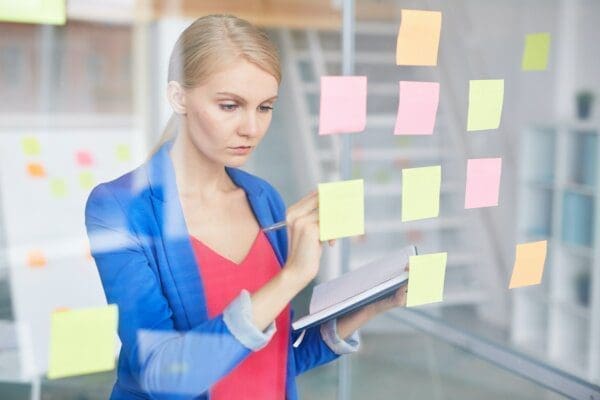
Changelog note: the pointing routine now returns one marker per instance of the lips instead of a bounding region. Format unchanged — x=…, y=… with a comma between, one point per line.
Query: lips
x=241, y=150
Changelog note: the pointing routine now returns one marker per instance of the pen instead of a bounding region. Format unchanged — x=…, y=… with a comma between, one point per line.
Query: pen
x=278, y=225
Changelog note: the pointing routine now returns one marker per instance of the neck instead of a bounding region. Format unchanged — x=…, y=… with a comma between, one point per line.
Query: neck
x=195, y=174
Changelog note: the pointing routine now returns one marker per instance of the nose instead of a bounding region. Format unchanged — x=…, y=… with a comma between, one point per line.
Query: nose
x=249, y=126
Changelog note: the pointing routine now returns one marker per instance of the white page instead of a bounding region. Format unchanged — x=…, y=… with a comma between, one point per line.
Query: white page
x=352, y=283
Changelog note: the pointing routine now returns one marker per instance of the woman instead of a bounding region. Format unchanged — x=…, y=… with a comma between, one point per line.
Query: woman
x=203, y=292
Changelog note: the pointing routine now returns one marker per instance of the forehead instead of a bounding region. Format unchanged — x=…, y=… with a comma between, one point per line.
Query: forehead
x=244, y=79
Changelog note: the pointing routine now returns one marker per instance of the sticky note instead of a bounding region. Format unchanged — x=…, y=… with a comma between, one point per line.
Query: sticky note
x=86, y=180
x=123, y=153
x=426, y=279
x=486, y=97
x=84, y=158
x=418, y=37
x=36, y=259
x=483, y=182
x=417, y=108
x=33, y=11
x=421, y=192
x=36, y=170
x=529, y=264
x=31, y=146
x=341, y=209
x=58, y=187
x=82, y=341
x=343, y=104
x=535, y=53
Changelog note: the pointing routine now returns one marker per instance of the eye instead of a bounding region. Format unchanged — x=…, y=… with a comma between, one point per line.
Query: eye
x=228, y=107
x=265, y=109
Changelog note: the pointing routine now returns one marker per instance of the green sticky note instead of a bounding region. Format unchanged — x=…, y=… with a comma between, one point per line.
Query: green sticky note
x=86, y=180
x=421, y=192
x=58, y=187
x=341, y=209
x=485, y=104
x=123, y=153
x=31, y=146
x=82, y=341
x=34, y=11
x=535, y=54
x=426, y=279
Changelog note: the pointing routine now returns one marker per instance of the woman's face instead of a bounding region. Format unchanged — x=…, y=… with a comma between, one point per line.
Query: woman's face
x=228, y=115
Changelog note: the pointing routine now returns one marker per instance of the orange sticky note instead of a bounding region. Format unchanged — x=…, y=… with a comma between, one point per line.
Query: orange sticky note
x=529, y=264
x=418, y=37
x=36, y=170
x=36, y=259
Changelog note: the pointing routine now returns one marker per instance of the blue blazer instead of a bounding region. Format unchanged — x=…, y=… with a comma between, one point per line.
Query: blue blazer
x=139, y=240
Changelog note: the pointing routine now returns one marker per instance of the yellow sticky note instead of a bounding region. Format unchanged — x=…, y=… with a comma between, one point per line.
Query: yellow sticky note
x=58, y=187
x=486, y=97
x=82, y=341
x=418, y=37
x=123, y=153
x=535, y=53
x=529, y=264
x=31, y=146
x=341, y=209
x=86, y=180
x=34, y=11
x=426, y=279
x=421, y=192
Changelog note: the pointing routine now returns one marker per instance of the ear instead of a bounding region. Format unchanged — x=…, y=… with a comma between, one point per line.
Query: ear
x=176, y=97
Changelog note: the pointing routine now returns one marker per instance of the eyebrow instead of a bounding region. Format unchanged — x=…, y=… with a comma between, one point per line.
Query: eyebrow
x=241, y=99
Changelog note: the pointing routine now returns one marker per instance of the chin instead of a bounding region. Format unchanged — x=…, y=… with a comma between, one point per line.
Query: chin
x=236, y=162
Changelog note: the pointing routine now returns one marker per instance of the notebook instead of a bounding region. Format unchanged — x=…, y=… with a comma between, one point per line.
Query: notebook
x=355, y=289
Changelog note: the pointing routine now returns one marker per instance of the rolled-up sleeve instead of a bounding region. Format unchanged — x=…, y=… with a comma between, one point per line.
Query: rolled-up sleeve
x=337, y=344
x=238, y=318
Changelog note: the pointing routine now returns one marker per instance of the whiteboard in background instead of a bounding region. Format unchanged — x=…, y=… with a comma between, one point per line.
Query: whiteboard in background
x=33, y=219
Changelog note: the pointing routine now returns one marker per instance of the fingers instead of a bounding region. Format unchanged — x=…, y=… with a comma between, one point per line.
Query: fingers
x=306, y=205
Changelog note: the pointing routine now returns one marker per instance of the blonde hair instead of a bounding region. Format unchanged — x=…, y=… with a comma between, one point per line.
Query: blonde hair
x=208, y=44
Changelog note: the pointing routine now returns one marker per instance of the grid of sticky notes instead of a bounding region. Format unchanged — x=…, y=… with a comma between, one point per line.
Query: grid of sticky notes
x=82, y=341
x=83, y=160
x=34, y=11
x=341, y=209
x=343, y=109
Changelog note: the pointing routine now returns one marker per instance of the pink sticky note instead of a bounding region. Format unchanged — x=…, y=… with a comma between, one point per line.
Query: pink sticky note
x=483, y=182
x=343, y=104
x=84, y=158
x=417, y=107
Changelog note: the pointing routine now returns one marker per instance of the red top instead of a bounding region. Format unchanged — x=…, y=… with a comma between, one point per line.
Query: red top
x=262, y=374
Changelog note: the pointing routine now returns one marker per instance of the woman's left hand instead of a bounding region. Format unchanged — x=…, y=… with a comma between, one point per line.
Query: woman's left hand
x=398, y=299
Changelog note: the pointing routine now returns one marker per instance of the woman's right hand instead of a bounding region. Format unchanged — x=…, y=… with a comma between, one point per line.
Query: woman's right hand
x=305, y=250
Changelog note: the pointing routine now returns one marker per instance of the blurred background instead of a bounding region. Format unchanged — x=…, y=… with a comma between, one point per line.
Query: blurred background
x=84, y=102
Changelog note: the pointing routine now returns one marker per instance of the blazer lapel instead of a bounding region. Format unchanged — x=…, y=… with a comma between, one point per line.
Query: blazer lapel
x=259, y=204
x=175, y=237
